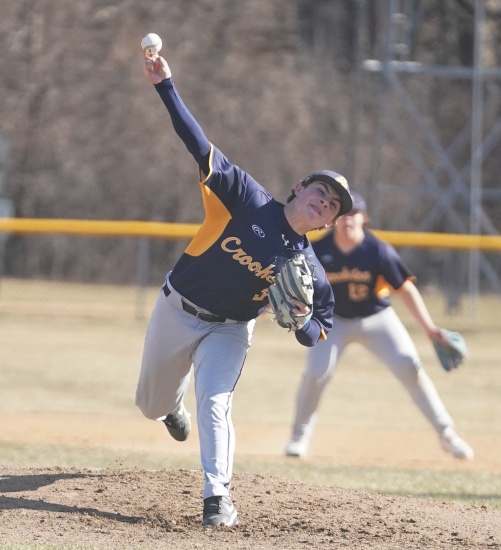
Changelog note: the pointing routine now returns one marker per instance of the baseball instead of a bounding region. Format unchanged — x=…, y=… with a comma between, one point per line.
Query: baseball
x=151, y=44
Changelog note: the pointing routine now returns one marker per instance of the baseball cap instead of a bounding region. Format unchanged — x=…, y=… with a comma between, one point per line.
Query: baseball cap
x=358, y=203
x=336, y=181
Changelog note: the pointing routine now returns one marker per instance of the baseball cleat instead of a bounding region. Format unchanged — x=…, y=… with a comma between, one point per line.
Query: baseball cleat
x=297, y=447
x=219, y=512
x=452, y=443
x=178, y=423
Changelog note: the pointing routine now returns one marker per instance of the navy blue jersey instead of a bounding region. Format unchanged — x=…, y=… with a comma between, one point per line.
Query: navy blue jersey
x=362, y=279
x=244, y=239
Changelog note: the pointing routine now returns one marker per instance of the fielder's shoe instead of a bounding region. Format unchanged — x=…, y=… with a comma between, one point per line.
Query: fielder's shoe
x=297, y=447
x=452, y=443
x=219, y=512
x=178, y=423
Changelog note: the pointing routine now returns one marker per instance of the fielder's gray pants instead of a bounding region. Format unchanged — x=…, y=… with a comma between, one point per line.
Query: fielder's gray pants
x=386, y=337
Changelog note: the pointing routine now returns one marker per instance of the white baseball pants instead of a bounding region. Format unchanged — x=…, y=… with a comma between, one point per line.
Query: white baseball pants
x=176, y=341
x=386, y=337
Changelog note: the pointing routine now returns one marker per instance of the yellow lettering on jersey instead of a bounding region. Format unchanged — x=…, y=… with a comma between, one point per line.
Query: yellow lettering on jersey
x=243, y=258
x=347, y=275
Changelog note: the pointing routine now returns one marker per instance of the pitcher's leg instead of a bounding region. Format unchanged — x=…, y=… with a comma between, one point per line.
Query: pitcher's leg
x=218, y=362
x=166, y=362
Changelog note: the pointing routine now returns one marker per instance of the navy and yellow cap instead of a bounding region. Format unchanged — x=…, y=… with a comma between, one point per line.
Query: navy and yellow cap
x=338, y=182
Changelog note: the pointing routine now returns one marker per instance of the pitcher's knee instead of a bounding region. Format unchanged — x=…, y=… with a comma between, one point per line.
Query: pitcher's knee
x=148, y=409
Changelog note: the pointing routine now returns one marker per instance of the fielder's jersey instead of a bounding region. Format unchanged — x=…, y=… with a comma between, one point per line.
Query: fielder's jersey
x=244, y=239
x=362, y=279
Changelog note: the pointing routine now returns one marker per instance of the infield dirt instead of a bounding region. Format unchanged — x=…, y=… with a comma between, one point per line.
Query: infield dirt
x=125, y=509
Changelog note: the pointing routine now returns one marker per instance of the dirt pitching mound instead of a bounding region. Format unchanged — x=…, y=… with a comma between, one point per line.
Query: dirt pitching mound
x=119, y=509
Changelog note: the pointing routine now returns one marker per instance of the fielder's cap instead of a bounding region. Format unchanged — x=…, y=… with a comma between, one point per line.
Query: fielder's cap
x=338, y=182
x=358, y=203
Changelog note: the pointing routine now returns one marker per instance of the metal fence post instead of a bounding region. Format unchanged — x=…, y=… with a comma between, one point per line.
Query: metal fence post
x=143, y=270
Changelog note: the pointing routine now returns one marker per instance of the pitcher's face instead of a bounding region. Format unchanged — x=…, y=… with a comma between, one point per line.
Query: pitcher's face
x=318, y=203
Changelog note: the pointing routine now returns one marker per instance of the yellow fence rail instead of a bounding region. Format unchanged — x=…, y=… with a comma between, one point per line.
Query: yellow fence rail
x=188, y=230
x=98, y=227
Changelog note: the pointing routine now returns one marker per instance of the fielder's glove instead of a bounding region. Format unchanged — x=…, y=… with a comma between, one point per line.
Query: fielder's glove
x=451, y=351
x=294, y=280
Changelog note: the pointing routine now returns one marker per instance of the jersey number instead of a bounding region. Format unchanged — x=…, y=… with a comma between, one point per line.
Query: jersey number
x=357, y=292
x=261, y=296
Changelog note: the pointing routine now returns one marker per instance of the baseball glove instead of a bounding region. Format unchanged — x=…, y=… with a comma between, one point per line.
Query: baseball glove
x=294, y=280
x=451, y=351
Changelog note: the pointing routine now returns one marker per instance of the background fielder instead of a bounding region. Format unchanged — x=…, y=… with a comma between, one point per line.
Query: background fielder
x=361, y=269
x=205, y=314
